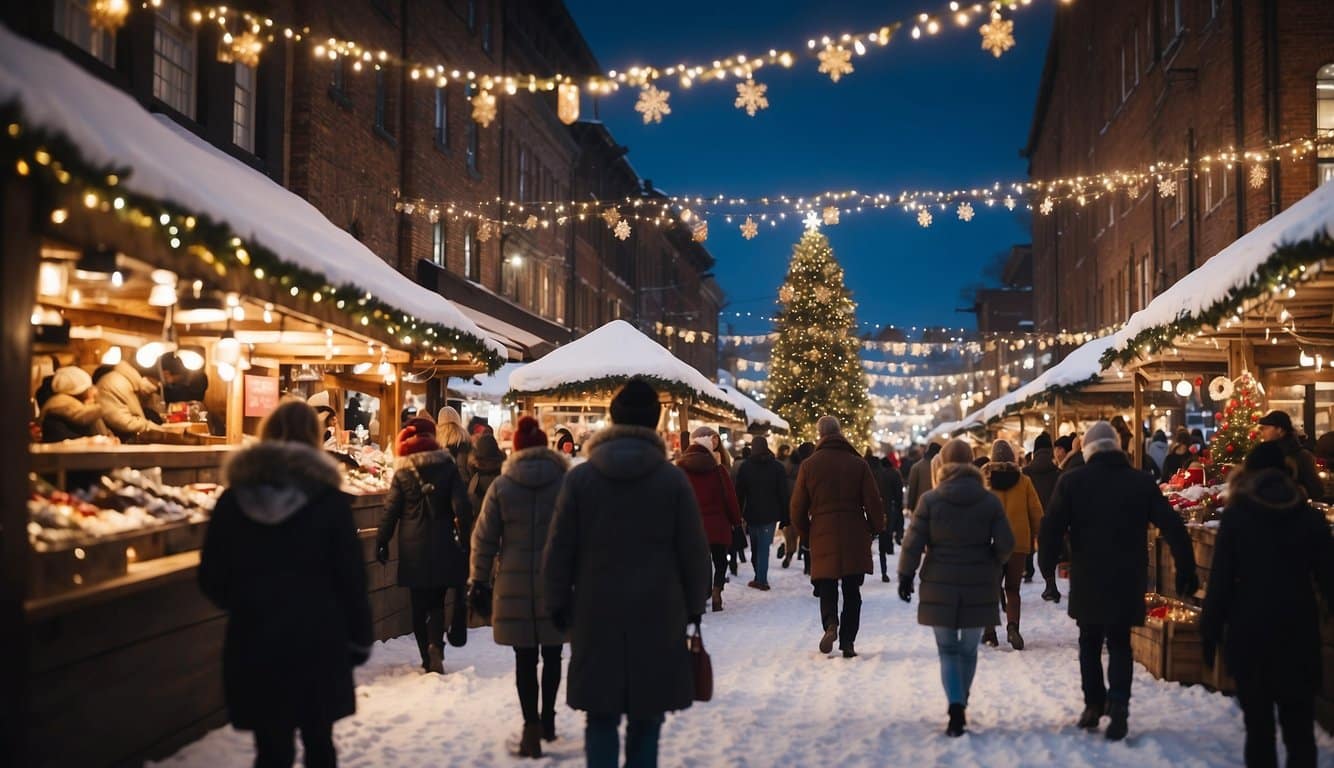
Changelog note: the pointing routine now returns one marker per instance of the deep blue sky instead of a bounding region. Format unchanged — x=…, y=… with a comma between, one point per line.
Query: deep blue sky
x=934, y=113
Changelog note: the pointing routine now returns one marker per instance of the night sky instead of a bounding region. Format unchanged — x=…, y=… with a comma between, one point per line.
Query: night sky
x=935, y=113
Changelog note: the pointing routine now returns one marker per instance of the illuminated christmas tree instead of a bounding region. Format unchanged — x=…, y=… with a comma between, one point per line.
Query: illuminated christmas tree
x=1237, y=431
x=815, y=369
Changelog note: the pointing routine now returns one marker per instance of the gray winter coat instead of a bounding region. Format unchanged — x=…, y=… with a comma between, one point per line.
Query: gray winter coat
x=512, y=526
x=963, y=527
x=627, y=560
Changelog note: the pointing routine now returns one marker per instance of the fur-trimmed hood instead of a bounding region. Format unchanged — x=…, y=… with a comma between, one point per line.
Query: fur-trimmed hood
x=960, y=483
x=1001, y=475
x=419, y=460
x=625, y=451
x=273, y=479
x=535, y=467
x=1272, y=489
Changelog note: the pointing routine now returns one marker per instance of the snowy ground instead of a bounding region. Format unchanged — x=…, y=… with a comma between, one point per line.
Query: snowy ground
x=779, y=702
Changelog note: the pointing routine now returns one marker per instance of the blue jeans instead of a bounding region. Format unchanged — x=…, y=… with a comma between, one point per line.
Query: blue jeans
x=958, y=660
x=761, y=541
x=602, y=744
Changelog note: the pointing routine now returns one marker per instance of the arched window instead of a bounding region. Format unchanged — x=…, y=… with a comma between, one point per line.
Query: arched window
x=472, y=262
x=1324, y=120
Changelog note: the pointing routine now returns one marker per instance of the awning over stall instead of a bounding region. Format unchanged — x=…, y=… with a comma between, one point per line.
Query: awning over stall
x=756, y=414
x=489, y=387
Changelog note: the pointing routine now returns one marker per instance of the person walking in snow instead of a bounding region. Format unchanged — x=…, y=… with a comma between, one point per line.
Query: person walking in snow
x=484, y=463
x=428, y=507
x=717, y=500
x=837, y=508
x=962, y=529
x=512, y=529
x=920, y=479
x=281, y=557
x=1273, y=550
x=891, y=492
x=793, y=545
x=1043, y=470
x=1106, y=507
x=1023, y=511
x=761, y=492
x=626, y=569
x=454, y=438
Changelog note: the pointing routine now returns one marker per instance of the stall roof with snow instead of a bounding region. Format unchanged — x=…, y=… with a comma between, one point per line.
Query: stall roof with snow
x=161, y=164
x=606, y=358
x=1080, y=368
x=756, y=414
x=490, y=387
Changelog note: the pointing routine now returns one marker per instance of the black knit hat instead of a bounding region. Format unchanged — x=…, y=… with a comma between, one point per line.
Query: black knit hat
x=1065, y=443
x=1042, y=441
x=636, y=404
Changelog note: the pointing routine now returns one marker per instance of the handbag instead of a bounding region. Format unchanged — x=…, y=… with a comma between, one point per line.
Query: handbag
x=701, y=664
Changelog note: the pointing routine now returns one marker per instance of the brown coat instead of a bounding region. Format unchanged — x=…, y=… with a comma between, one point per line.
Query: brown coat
x=837, y=508
x=1023, y=508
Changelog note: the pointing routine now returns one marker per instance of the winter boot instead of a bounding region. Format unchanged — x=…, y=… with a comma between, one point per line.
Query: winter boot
x=1052, y=593
x=530, y=745
x=787, y=560
x=782, y=547
x=958, y=722
x=827, y=640
x=884, y=577
x=989, y=637
x=753, y=584
x=1013, y=637
x=1119, y=725
x=717, y=599
x=849, y=652
x=548, y=726
x=1091, y=716
x=435, y=659
x=884, y=568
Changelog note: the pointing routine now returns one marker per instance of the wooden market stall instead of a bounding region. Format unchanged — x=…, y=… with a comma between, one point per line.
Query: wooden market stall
x=574, y=384
x=125, y=238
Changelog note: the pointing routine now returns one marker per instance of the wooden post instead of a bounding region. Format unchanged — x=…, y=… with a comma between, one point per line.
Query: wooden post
x=1240, y=359
x=1060, y=415
x=1137, y=433
x=683, y=422
x=236, y=408
x=391, y=397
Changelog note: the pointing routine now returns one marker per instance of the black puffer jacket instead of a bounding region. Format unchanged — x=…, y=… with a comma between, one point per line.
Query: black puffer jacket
x=628, y=561
x=761, y=489
x=1042, y=470
x=281, y=557
x=1272, y=549
x=432, y=548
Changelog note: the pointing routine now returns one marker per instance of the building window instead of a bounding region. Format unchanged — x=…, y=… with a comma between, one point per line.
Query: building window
x=1125, y=75
x=1144, y=281
x=523, y=174
x=472, y=137
x=560, y=303
x=1324, y=119
x=382, y=100
x=1179, y=201
x=509, y=279
x=174, y=59
x=1172, y=23
x=438, y=252
x=472, y=16
x=472, y=263
x=442, y=118
x=486, y=31
x=338, y=78
x=1215, y=6
x=1134, y=42
x=544, y=303
x=71, y=23
x=243, y=108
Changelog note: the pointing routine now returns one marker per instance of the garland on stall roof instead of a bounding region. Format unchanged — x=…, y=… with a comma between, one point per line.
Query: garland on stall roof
x=1287, y=263
x=55, y=163
x=609, y=384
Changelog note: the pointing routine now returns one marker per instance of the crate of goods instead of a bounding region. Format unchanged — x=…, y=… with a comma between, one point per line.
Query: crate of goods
x=1146, y=647
x=1169, y=644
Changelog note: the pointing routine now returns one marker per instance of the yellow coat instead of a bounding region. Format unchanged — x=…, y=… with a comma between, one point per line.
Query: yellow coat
x=1022, y=507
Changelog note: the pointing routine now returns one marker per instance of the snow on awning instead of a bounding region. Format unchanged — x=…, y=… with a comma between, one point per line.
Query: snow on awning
x=515, y=338
x=1239, y=268
x=605, y=358
x=168, y=164
x=755, y=413
x=1082, y=366
x=489, y=387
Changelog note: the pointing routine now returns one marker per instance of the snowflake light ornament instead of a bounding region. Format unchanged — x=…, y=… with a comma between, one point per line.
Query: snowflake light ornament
x=1046, y=206
x=997, y=35
x=484, y=231
x=835, y=61
x=1133, y=191
x=924, y=218
x=822, y=293
x=750, y=97
x=652, y=104
x=484, y=108
x=530, y=222
x=812, y=222
x=1257, y=176
x=1009, y=203
x=749, y=229
x=785, y=294
x=965, y=212
x=1167, y=187
x=829, y=215
x=611, y=216
x=622, y=230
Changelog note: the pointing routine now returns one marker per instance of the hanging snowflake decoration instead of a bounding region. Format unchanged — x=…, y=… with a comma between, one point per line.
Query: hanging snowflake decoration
x=1220, y=388
x=1046, y=206
x=433, y=215
x=812, y=221
x=965, y=212
x=652, y=104
x=749, y=228
x=836, y=61
x=611, y=216
x=484, y=108
x=484, y=231
x=813, y=355
x=1258, y=176
x=829, y=215
x=750, y=97
x=531, y=222
x=822, y=293
x=242, y=49
x=1009, y=203
x=700, y=231
x=1167, y=187
x=785, y=294
x=924, y=218
x=622, y=230
x=997, y=35
x=1133, y=191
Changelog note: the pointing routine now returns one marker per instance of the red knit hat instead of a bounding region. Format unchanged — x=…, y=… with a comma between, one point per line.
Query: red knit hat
x=417, y=436
x=529, y=434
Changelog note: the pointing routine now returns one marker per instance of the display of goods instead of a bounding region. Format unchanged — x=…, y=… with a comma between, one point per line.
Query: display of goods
x=1162, y=608
x=124, y=500
x=367, y=481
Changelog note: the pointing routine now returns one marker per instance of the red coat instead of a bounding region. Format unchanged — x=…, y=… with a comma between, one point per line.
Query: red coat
x=714, y=491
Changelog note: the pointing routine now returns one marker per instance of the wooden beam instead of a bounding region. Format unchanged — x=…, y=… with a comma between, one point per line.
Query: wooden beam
x=1137, y=431
x=1240, y=358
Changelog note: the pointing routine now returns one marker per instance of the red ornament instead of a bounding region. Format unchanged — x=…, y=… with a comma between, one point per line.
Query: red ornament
x=1199, y=381
x=1231, y=447
x=1218, y=417
x=1253, y=434
x=1222, y=425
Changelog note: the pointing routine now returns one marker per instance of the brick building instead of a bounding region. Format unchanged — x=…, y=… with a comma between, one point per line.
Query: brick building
x=355, y=139
x=1130, y=83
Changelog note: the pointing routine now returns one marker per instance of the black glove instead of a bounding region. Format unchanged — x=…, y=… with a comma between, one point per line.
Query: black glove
x=357, y=655
x=560, y=619
x=1187, y=583
x=382, y=554
x=1051, y=594
x=905, y=589
x=479, y=599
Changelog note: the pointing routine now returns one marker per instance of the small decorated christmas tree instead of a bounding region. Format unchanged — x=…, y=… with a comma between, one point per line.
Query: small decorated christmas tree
x=816, y=365
x=1237, y=431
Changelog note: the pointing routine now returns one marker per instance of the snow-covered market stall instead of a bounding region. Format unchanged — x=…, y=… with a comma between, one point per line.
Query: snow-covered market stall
x=572, y=386
x=759, y=419
x=482, y=396
x=195, y=292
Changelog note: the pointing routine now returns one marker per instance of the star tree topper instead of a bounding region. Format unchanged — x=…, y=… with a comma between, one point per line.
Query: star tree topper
x=652, y=104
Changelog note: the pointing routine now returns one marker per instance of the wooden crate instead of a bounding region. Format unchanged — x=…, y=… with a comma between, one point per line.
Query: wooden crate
x=1202, y=541
x=1169, y=650
x=1146, y=647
